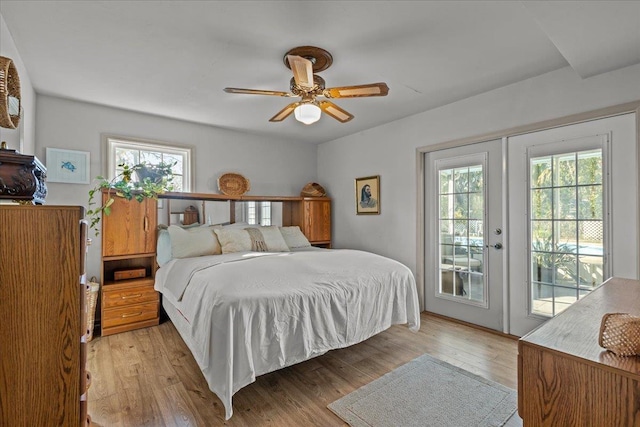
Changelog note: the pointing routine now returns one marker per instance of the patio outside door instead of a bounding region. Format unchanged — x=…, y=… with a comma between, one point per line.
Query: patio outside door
x=464, y=233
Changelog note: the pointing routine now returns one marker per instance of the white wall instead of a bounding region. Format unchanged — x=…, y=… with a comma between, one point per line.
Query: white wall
x=27, y=127
x=274, y=167
x=390, y=150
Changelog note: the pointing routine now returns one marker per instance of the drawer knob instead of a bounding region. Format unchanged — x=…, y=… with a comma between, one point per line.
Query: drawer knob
x=131, y=296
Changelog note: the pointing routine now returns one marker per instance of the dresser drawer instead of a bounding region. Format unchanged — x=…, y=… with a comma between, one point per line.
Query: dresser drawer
x=125, y=297
x=130, y=314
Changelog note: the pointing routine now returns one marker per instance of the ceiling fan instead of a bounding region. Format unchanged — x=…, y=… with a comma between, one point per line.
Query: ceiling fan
x=305, y=61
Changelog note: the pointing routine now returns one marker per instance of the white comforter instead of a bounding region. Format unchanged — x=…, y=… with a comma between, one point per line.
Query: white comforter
x=252, y=313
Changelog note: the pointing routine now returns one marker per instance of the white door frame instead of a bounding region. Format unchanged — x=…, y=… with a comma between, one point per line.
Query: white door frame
x=631, y=107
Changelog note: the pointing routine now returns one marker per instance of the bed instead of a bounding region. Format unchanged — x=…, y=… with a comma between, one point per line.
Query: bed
x=244, y=313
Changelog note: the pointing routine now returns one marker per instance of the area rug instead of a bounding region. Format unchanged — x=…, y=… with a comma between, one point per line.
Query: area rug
x=427, y=392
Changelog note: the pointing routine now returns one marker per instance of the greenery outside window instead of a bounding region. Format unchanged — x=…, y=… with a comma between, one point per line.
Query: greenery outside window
x=567, y=206
x=461, y=216
x=131, y=152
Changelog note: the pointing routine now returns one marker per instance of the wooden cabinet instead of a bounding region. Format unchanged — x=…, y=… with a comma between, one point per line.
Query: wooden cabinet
x=130, y=229
x=313, y=216
x=128, y=246
x=43, y=381
x=316, y=220
x=566, y=379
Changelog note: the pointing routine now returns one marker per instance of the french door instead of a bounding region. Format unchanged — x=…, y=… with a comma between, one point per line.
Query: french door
x=516, y=230
x=464, y=233
x=573, y=201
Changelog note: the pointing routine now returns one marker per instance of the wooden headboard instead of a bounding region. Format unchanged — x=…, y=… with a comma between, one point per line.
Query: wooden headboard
x=315, y=223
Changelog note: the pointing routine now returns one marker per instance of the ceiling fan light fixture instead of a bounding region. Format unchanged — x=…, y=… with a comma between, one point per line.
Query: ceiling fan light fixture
x=307, y=113
x=304, y=62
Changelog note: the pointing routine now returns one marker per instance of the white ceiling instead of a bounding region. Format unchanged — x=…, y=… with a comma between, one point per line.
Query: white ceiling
x=173, y=58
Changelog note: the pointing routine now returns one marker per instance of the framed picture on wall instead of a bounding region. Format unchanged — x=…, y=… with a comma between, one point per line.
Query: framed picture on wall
x=368, y=195
x=68, y=166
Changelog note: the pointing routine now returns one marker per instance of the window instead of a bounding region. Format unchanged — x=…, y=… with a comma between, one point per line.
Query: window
x=125, y=151
x=566, y=228
x=258, y=213
x=461, y=219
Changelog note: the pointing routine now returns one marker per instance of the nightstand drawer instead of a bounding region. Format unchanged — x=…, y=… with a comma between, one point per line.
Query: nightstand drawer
x=130, y=314
x=131, y=295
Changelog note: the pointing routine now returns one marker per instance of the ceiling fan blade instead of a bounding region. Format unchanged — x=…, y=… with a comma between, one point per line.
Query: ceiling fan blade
x=373, y=89
x=302, y=70
x=257, y=92
x=336, y=112
x=284, y=113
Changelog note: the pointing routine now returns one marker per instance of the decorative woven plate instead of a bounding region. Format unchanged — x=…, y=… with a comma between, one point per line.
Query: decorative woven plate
x=233, y=184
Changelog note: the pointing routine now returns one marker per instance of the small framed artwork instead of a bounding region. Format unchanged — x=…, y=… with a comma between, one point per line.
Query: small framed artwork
x=368, y=195
x=68, y=166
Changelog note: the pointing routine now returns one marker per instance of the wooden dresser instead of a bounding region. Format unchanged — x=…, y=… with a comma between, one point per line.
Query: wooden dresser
x=128, y=300
x=43, y=381
x=566, y=379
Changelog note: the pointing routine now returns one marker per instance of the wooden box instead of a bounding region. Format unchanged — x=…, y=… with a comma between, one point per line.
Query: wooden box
x=190, y=216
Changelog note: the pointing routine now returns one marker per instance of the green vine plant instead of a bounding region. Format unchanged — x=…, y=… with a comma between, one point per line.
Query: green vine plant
x=153, y=180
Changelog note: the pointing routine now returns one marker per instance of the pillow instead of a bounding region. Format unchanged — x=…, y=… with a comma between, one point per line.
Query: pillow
x=193, y=241
x=195, y=224
x=165, y=226
x=233, y=239
x=163, y=250
x=294, y=237
x=237, y=225
x=273, y=238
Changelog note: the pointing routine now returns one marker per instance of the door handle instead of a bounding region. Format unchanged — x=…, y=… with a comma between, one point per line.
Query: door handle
x=496, y=246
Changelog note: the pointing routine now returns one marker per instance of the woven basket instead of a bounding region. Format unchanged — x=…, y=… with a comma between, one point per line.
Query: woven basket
x=620, y=334
x=233, y=184
x=9, y=87
x=92, y=297
x=313, y=189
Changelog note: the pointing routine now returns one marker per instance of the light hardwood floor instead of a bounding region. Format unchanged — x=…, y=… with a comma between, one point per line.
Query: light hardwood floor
x=148, y=377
